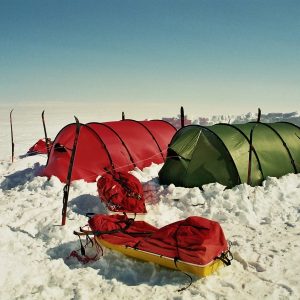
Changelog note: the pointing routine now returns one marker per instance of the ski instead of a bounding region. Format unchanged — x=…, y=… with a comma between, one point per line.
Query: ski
x=251, y=147
x=69, y=176
x=12, y=137
x=45, y=132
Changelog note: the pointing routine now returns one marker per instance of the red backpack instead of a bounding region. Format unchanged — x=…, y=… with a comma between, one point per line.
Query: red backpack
x=121, y=192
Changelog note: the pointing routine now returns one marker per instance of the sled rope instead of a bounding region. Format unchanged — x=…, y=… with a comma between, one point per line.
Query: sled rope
x=83, y=258
x=188, y=275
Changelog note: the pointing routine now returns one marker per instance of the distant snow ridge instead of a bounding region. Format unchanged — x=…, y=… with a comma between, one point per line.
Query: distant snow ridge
x=292, y=117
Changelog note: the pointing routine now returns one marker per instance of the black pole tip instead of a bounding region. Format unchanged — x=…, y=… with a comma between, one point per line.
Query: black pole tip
x=182, y=116
x=258, y=115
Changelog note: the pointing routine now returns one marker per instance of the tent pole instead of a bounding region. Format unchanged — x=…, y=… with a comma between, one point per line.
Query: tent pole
x=251, y=147
x=123, y=116
x=69, y=176
x=12, y=137
x=45, y=132
x=182, y=116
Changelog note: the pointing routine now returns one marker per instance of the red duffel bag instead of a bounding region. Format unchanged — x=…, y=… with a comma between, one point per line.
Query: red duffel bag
x=121, y=192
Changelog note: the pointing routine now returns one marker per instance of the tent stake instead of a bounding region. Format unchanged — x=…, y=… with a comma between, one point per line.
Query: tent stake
x=251, y=147
x=182, y=116
x=69, y=177
x=12, y=137
x=45, y=132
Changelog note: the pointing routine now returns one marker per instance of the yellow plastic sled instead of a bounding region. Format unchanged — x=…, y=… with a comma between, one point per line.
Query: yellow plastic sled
x=199, y=270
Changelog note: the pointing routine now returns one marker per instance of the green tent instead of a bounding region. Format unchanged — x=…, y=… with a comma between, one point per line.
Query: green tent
x=199, y=155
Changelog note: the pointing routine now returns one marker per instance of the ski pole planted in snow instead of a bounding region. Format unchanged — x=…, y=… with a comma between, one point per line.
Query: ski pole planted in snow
x=251, y=147
x=12, y=137
x=69, y=176
x=182, y=116
x=45, y=132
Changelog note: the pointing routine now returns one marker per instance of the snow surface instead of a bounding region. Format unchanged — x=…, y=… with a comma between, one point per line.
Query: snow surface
x=262, y=224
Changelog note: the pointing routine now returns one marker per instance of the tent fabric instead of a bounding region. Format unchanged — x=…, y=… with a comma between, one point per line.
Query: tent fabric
x=120, y=145
x=199, y=155
x=195, y=240
x=40, y=147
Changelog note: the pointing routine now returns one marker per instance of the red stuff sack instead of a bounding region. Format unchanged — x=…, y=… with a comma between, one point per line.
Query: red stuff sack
x=121, y=192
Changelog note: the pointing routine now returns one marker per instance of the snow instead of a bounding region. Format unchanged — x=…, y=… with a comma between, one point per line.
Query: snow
x=262, y=224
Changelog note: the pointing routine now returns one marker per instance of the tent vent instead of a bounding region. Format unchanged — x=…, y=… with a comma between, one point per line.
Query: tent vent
x=59, y=148
x=173, y=154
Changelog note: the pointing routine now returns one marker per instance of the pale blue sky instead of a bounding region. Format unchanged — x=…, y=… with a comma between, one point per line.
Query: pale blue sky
x=213, y=56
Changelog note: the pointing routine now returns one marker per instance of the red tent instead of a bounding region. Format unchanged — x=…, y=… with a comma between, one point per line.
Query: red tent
x=40, y=147
x=120, y=145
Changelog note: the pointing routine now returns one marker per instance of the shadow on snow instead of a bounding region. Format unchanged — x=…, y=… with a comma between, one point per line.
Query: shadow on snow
x=19, y=178
x=114, y=265
x=87, y=203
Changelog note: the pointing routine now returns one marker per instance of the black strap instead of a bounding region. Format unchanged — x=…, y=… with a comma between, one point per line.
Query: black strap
x=88, y=240
x=226, y=257
x=176, y=258
x=135, y=247
x=82, y=249
x=85, y=259
x=189, y=276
